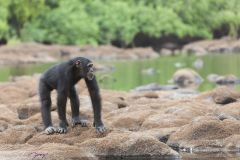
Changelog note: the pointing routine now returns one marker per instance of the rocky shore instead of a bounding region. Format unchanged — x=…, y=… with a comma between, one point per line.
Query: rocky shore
x=40, y=53
x=156, y=123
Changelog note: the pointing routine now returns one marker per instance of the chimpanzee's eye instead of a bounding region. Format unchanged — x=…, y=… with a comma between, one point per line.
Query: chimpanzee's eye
x=90, y=65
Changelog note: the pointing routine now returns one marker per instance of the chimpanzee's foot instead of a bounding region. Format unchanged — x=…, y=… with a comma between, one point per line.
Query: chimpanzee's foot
x=50, y=130
x=61, y=130
x=99, y=127
x=78, y=120
x=62, y=127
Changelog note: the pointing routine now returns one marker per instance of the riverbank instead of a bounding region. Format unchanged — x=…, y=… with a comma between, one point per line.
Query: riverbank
x=29, y=53
x=139, y=123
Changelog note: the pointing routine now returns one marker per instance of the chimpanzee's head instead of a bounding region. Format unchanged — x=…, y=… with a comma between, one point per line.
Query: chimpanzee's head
x=85, y=67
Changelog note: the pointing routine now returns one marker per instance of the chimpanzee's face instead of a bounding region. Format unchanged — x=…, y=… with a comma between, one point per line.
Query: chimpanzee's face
x=86, y=69
x=90, y=72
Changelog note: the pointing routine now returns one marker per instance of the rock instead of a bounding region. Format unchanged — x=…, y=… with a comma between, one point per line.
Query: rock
x=204, y=135
x=163, y=121
x=148, y=87
x=166, y=52
x=228, y=80
x=225, y=95
x=3, y=125
x=223, y=46
x=229, y=111
x=26, y=110
x=198, y=64
x=121, y=103
x=232, y=143
x=149, y=71
x=154, y=87
x=46, y=151
x=151, y=95
x=128, y=144
x=219, y=95
x=138, y=123
x=187, y=78
x=194, y=49
x=128, y=120
x=18, y=134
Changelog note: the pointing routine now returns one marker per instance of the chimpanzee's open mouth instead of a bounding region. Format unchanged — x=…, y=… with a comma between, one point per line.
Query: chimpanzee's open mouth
x=90, y=76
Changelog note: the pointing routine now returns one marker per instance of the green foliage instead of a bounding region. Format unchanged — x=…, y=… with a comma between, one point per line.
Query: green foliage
x=64, y=25
x=115, y=20
x=3, y=19
x=104, y=21
x=22, y=11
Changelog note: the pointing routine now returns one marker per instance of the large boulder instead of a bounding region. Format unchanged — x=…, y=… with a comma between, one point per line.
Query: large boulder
x=204, y=134
x=128, y=144
x=187, y=78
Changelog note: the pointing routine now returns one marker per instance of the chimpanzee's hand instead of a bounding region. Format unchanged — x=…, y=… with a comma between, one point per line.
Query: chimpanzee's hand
x=50, y=130
x=99, y=127
x=78, y=120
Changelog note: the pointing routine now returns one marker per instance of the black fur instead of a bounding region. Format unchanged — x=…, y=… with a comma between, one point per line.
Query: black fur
x=63, y=78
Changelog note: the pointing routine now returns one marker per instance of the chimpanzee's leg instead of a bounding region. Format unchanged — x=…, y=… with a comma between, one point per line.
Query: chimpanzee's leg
x=61, y=106
x=74, y=100
x=45, y=99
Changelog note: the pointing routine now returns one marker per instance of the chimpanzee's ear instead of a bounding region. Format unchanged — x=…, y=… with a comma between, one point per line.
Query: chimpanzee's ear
x=78, y=64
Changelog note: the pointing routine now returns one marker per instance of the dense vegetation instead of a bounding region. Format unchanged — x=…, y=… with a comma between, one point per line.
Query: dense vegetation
x=105, y=21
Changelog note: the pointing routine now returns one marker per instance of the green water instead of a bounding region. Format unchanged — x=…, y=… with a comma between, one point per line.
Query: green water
x=128, y=74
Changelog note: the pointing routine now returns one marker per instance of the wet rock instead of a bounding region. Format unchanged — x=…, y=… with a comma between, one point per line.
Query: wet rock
x=187, y=78
x=128, y=144
x=166, y=52
x=198, y=63
x=204, y=135
x=154, y=87
x=162, y=134
x=223, y=46
x=46, y=151
x=194, y=49
x=149, y=71
x=227, y=80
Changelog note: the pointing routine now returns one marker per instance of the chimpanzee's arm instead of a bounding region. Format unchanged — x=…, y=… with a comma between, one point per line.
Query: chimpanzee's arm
x=96, y=103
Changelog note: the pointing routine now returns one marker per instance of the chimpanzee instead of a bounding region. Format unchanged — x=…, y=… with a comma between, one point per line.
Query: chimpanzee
x=63, y=77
